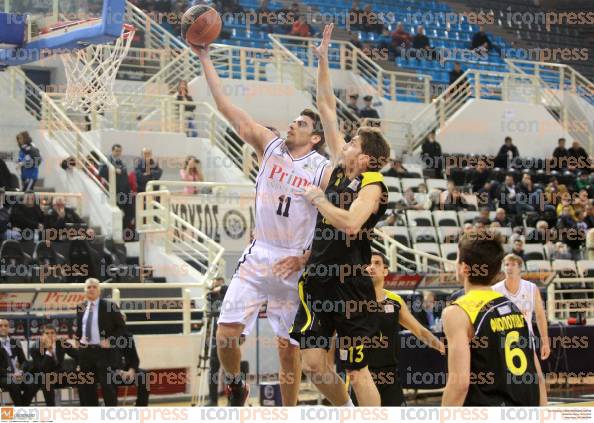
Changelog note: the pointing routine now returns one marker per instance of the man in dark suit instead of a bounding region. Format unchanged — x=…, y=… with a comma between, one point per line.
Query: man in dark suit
x=99, y=324
x=128, y=371
x=48, y=361
x=12, y=366
x=426, y=314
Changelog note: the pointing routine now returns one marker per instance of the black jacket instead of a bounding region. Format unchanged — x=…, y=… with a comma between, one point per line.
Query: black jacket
x=122, y=184
x=128, y=355
x=17, y=351
x=44, y=363
x=54, y=221
x=111, y=323
x=24, y=217
x=369, y=113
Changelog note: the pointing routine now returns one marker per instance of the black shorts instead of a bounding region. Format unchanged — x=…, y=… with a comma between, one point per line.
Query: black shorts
x=348, y=308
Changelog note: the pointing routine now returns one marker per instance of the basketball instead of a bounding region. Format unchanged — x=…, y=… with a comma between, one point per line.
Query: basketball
x=201, y=25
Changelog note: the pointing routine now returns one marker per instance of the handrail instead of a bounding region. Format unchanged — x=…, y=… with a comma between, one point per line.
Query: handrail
x=422, y=260
x=63, y=130
x=385, y=83
x=154, y=215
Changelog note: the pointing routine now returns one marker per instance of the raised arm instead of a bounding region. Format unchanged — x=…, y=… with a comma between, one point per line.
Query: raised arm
x=251, y=131
x=326, y=102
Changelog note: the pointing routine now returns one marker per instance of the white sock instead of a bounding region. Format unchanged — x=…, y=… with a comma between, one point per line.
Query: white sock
x=349, y=403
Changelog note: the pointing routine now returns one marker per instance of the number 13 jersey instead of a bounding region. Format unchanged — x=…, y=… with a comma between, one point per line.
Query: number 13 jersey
x=283, y=217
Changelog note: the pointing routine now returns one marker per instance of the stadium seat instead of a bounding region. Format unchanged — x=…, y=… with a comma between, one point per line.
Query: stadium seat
x=423, y=234
x=399, y=233
x=431, y=248
x=538, y=266
x=445, y=218
x=586, y=268
x=436, y=183
x=565, y=268
x=419, y=217
x=534, y=252
x=465, y=216
x=392, y=183
x=448, y=234
x=412, y=183
x=449, y=251
x=393, y=198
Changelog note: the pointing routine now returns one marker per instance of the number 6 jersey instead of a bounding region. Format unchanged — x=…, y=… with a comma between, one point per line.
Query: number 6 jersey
x=283, y=217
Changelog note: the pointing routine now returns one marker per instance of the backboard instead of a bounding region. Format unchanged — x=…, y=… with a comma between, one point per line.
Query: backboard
x=31, y=30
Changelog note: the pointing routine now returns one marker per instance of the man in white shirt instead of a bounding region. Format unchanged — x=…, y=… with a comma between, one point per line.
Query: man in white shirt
x=526, y=296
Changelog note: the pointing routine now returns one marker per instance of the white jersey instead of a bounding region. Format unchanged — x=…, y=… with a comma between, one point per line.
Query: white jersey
x=284, y=218
x=524, y=299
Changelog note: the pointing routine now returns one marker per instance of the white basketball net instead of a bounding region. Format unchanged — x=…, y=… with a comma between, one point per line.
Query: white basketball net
x=91, y=72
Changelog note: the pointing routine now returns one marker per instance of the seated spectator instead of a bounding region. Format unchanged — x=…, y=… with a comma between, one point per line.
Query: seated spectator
x=589, y=216
x=301, y=28
x=483, y=216
x=561, y=252
x=421, y=45
x=481, y=42
x=480, y=175
x=422, y=188
x=485, y=196
x=191, y=172
x=570, y=231
x=355, y=16
x=518, y=249
x=507, y=195
x=566, y=202
x=6, y=231
x=583, y=183
x=506, y=155
x=481, y=224
x=408, y=201
x=147, y=169
x=352, y=104
x=48, y=360
x=456, y=73
x=354, y=40
x=6, y=177
x=401, y=40
x=263, y=16
x=454, y=200
x=554, y=191
x=578, y=158
x=397, y=170
x=590, y=245
x=13, y=366
x=541, y=235
x=581, y=201
x=370, y=21
x=27, y=215
x=384, y=42
x=560, y=155
x=59, y=216
x=367, y=111
x=432, y=156
x=502, y=219
x=426, y=314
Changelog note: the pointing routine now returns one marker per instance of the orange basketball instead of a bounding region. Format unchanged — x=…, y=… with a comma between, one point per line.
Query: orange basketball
x=201, y=25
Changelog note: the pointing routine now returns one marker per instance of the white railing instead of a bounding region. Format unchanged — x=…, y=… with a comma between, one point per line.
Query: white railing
x=154, y=215
x=421, y=262
x=195, y=119
x=345, y=56
x=60, y=129
x=557, y=76
x=477, y=84
x=155, y=36
x=556, y=81
x=569, y=296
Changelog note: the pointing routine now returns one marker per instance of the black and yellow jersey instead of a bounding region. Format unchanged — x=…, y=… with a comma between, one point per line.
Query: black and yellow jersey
x=502, y=365
x=334, y=247
x=385, y=351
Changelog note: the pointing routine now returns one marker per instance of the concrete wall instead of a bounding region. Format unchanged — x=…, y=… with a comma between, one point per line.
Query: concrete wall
x=481, y=126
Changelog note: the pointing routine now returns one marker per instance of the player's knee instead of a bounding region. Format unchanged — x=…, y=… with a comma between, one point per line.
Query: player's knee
x=228, y=335
x=312, y=364
x=357, y=376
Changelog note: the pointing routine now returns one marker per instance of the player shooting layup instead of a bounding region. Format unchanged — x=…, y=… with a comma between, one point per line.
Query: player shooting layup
x=269, y=268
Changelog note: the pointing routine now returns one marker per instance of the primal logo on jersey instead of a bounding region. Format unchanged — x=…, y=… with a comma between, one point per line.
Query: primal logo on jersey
x=277, y=173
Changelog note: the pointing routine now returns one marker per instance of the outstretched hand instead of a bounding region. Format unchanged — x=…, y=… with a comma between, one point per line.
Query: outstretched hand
x=321, y=51
x=201, y=51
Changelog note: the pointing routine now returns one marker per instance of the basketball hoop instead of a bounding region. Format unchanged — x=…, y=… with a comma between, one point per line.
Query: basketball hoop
x=91, y=72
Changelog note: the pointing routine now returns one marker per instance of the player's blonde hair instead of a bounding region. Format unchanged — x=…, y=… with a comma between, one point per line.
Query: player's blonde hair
x=514, y=257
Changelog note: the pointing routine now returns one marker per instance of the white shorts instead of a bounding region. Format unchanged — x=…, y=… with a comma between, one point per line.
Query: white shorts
x=254, y=284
